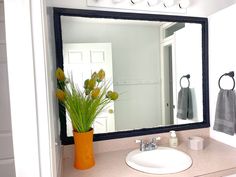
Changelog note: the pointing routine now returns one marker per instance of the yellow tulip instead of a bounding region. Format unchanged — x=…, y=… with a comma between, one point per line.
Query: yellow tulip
x=60, y=94
x=114, y=96
x=91, y=84
x=87, y=91
x=101, y=75
x=60, y=74
x=94, y=76
x=95, y=93
x=86, y=82
x=108, y=95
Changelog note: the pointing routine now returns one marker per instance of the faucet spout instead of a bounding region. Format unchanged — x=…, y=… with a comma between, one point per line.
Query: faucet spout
x=148, y=146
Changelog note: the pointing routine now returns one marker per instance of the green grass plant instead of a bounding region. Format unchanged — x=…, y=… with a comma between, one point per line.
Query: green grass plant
x=84, y=106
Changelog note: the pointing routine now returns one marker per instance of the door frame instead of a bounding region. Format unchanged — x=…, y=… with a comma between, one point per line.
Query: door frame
x=32, y=129
x=166, y=42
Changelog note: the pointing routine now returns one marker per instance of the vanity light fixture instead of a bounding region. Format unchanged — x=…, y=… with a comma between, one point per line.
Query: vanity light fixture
x=183, y=4
x=153, y=2
x=135, y=1
x=172, y=6
x=168, y=3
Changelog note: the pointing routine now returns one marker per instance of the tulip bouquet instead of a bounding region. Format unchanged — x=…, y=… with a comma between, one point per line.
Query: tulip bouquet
x=83, y=105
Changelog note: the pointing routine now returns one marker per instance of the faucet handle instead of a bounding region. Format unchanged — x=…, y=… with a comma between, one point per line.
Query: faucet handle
x=156, y=139
x=142, y=145
x=139, y=141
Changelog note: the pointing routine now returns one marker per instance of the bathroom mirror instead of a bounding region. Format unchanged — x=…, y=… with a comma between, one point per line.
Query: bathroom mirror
x=157, y=63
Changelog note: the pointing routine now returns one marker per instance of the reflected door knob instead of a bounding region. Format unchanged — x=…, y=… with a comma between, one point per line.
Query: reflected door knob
x=111, y=111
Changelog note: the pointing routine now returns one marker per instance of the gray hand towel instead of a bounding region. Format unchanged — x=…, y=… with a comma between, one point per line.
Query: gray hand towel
x=225, y=116
x=185, y=106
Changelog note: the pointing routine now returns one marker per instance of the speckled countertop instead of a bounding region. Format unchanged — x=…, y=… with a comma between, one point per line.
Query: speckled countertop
x=215, y=158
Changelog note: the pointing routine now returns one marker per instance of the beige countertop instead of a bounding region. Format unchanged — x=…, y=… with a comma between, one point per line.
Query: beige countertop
x=216, y=158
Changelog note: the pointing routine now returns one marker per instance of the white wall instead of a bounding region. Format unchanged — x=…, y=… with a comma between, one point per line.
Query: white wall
x=188, y=52
x=197, y=8
x=207, y=7
x=222, y=59
x=136, y=66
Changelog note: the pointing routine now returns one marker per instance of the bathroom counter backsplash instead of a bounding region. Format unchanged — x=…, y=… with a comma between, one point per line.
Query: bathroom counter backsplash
x=215, y=159
x=129, y=143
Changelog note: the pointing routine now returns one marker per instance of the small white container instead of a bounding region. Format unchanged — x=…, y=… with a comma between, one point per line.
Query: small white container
x=173, y=141
x=196, y=143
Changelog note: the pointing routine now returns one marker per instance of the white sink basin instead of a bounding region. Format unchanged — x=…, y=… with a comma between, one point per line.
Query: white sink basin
x=163, y=160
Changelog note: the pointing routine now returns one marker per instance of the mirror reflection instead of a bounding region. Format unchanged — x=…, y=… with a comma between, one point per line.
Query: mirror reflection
x=156, y=67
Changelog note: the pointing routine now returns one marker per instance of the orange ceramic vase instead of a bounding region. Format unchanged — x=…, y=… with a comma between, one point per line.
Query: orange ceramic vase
x=83, y=150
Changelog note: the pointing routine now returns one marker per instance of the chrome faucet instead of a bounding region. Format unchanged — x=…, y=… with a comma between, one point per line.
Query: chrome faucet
x=148, y=146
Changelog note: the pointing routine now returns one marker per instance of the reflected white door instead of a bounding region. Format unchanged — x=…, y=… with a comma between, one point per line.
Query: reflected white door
x=82, y=59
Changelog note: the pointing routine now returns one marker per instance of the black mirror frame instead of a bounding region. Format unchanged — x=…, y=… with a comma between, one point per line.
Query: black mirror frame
x=58, y=12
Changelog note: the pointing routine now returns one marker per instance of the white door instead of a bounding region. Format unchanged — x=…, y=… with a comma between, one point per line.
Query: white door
x=82, y=59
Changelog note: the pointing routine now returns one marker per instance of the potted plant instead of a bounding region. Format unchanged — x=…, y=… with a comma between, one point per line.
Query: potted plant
x=83, y=106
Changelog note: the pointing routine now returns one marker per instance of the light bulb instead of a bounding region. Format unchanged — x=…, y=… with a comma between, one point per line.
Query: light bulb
x=135, y=1
x=183, y=4
x=153, y=2
x=117, y=1
x=168, y=3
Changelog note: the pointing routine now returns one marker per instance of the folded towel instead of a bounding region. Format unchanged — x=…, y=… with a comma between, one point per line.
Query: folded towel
x=185, y=106
x=225, y=116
